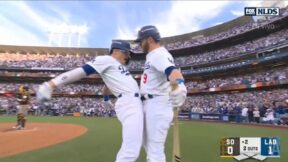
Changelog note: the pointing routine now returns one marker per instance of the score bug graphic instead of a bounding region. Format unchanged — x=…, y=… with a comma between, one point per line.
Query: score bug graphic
x=270, y=147
x=229, y=147
x=258, y=148
x=249, y=145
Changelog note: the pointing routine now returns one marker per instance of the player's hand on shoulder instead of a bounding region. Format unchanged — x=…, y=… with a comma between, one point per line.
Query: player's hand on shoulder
x=44, y=92
x=178, y=95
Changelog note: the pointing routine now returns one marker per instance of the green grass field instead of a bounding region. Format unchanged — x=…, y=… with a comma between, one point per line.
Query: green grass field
x=199, y=141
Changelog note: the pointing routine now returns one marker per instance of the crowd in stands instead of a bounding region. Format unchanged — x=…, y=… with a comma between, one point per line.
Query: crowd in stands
x=209, y=103
x=67, y=61
x=30, y=73
x=266, y=76
x=237, y=50
x=229, y=52
x=86, y=106
x=70, y=61
x=267, y=102
x=70, y=88
x=222, y=35
x=276, y=74
x=60, y=106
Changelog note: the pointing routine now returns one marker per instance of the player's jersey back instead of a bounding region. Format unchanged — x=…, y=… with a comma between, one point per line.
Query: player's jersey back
x=154, y=81
x=115, y=75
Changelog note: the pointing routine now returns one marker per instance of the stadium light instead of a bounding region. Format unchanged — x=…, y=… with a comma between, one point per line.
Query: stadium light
x=64, y=32
x=82, y=29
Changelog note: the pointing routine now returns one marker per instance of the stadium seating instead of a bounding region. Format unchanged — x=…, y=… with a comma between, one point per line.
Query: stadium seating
x=18, y=66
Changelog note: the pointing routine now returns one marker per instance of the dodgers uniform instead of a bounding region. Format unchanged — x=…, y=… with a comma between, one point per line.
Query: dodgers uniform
x=158, y=109
x=128, y=106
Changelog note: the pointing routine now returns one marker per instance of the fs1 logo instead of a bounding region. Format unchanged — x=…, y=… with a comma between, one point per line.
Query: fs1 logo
x=261, y=11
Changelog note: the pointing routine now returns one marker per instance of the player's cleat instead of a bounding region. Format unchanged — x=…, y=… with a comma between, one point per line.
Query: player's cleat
x=20, y=127
x=16, y=126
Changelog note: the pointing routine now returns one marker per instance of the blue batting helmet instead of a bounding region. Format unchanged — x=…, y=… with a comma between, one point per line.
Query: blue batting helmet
x=148, y=31
x=121, y=45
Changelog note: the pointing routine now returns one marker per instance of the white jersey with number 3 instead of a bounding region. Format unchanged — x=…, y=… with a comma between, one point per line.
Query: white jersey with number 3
x=115, y=75
x=154, y=81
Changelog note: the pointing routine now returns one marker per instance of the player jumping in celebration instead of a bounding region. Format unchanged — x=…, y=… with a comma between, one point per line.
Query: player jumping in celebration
x=120, y=82
x=159, y=76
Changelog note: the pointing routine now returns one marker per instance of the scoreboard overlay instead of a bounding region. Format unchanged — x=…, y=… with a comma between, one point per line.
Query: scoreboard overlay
x=241, y=148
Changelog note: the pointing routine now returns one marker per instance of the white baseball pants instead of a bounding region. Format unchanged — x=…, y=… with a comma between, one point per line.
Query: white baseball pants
x=129, y=111
x=158, y=114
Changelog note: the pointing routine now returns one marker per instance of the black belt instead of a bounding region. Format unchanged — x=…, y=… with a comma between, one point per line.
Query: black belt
x=146, y=97
x=135, y=95
x=143, y=97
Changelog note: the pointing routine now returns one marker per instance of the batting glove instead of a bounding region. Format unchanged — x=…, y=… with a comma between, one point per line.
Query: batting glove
x=44, y=92
x=178, y=95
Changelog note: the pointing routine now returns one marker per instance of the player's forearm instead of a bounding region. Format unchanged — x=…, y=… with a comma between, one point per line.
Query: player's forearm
x=67, y=77
x=106, y=91
x=175, y=76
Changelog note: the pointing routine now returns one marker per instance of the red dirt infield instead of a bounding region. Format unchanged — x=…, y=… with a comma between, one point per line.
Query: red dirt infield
x=35, y=136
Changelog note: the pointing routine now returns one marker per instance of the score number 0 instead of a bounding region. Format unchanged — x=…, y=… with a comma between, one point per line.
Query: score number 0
x=230, y=143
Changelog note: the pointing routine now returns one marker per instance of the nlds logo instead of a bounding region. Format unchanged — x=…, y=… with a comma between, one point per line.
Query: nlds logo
x=261, y=11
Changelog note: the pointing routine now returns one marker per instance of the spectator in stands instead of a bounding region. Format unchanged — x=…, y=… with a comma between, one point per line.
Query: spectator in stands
x=250, y=114
x=225, y=110
x=238, y=110
x=269, y=117
x=244, y=114
x=280, y=109
x=256, y=115
x=263, y=111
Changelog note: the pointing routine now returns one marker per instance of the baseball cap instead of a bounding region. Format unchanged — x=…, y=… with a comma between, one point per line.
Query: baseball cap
x=121, y=45
x=147, y=31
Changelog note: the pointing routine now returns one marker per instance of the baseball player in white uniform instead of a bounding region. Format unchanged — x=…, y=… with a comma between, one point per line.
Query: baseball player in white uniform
x=117, y=78
x=159, y=76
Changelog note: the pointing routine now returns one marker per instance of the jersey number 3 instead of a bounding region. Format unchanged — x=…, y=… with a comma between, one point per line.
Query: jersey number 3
x=145, y=77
